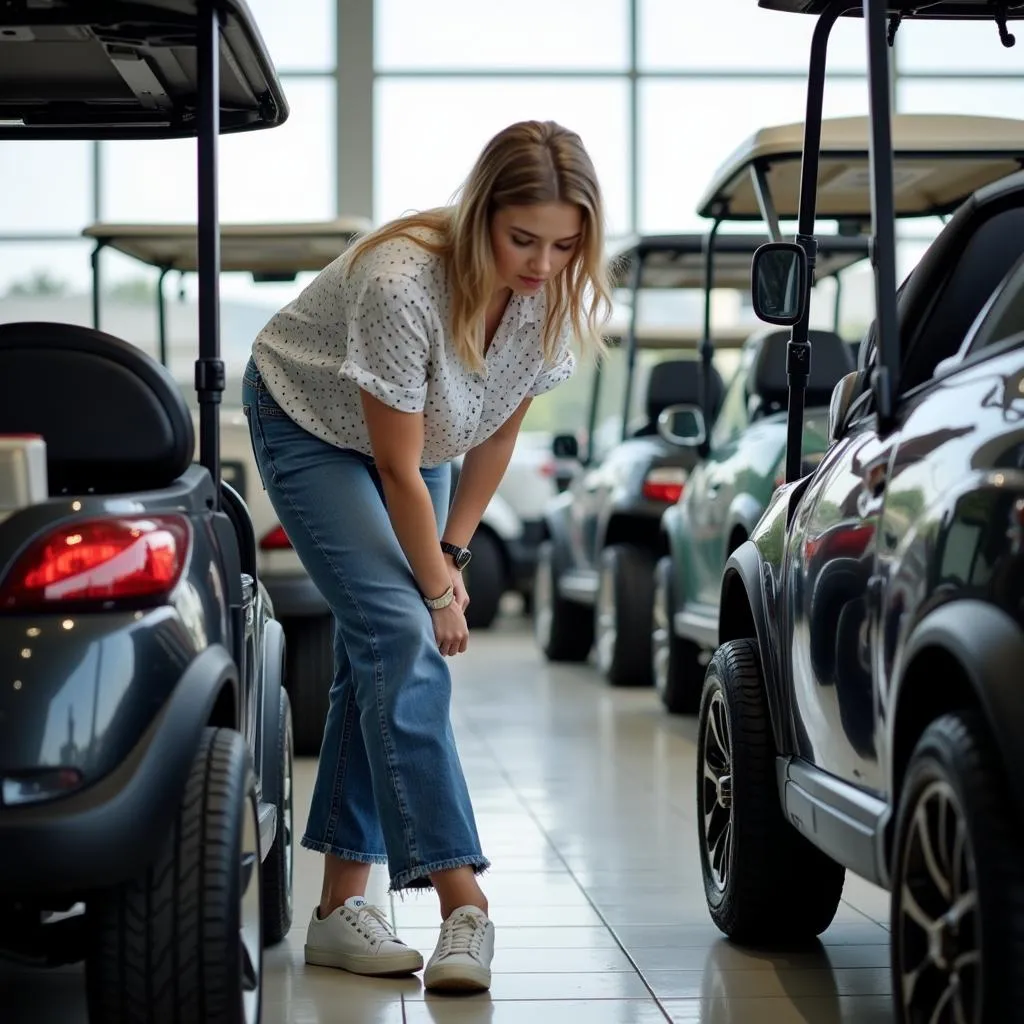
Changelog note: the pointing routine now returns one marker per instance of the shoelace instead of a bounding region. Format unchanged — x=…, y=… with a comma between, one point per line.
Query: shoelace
x=371, y=922
x=462, y=934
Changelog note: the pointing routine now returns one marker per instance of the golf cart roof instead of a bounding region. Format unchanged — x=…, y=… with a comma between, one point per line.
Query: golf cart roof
x=127, y=69
x=658, y=337
x=677, y=261
x=932, y=10
x=267, y=251
x=940, y=159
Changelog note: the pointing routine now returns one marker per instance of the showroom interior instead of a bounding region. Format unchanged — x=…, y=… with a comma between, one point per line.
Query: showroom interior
x=625, y=624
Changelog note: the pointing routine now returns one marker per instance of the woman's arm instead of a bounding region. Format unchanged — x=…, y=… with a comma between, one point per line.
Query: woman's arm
x=397, y=442
x=482, y=470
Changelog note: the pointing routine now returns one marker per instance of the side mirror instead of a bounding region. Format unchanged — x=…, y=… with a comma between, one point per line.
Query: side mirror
x=683, y=425
x=565, y=446
x=778, y=283
x=844, y=394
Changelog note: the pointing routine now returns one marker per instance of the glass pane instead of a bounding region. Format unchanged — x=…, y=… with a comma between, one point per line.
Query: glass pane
x=282, y=174
x=942, y=46
x=456, y=34
x=424, y=150
x=972, y=96
x=736, y=34
x=45, y=281
x=300, y=36
x=47, y=186
x=687, y=129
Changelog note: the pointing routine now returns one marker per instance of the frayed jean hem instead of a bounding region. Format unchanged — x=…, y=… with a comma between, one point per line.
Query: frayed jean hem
x=318, y=846
x=418, y=878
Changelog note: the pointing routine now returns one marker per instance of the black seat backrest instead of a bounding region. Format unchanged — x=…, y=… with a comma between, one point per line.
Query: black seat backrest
x=675, y=381
x=831, y=360
x=113, y=418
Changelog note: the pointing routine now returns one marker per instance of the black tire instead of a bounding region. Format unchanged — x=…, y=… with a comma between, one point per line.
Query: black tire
x=167, y=948
x=955, y=768
x=675, y=662
x=278, y=868
x=308, y=677
x=776, y=886
x=485, y=578
x=622, y=615
x=563, y=630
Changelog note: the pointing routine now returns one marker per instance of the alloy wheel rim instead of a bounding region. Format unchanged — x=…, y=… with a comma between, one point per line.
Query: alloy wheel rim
x=250, y=932
x=660, y=636
x=938, y=921
x=716, y=817
x=606, y=627
x=287, y=814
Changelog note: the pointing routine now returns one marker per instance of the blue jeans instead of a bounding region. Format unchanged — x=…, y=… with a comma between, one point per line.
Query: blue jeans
x=389, y=785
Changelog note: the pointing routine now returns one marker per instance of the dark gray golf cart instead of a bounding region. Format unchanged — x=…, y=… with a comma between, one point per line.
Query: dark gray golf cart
x=145, y=736
x=865, y=709
x=270, y=253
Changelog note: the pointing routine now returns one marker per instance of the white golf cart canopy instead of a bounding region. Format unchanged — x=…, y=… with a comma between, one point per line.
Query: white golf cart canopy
x=659, y=337
x=128, y=70
x=940, y=159
x=920, y=10
x=680, y=261
x=267, y=251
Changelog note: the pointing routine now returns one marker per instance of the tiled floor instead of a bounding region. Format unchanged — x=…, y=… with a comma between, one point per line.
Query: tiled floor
x=584, y=801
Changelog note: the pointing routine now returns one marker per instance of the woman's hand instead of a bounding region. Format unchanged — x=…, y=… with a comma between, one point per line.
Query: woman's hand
x=450, y=629
x=459, y=585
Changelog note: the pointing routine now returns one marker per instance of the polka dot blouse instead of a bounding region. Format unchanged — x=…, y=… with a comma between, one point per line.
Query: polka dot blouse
x=383, y=328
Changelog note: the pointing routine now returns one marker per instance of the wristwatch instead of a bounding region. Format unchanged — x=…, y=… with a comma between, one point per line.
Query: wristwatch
x=460, y=556
x=435, y=604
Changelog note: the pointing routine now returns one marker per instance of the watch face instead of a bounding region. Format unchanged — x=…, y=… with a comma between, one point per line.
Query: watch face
x=462, y=559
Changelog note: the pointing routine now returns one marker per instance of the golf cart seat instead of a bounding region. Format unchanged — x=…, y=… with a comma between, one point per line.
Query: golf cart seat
x=831, y=359
x=113, y=418
x=674, y=381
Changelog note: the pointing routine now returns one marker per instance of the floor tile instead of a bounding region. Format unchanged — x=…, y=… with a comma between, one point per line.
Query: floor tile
x=477, y=1010
x=844, y=1010
x=617, y=985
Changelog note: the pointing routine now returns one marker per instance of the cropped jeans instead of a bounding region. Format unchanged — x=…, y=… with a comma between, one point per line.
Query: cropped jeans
x=389, y=785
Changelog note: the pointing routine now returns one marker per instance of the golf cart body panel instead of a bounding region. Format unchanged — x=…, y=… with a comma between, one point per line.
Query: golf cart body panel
x=143, y=660
x=940, y=160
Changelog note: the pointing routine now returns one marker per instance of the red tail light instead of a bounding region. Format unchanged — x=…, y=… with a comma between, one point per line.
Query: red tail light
x=99, y=560
x=275, y=540
x=664, y=484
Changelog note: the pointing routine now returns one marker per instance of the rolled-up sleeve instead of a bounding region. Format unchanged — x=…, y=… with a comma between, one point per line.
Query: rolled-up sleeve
x=388, y=341
x=559, y=371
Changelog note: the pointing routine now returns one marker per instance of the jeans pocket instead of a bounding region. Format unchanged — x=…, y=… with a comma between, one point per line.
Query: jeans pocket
x=251, y=414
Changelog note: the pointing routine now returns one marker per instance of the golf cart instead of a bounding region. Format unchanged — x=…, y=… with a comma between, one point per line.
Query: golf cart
x=595, y=570
x=145, y=737
x=270, y=253
x=865, y=709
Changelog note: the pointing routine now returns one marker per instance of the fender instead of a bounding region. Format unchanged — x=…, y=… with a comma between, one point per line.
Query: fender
x=272, y=672
x=556, y=524
x=744, y=511
x=989, y=647
x=743, y=599
x=110, y=832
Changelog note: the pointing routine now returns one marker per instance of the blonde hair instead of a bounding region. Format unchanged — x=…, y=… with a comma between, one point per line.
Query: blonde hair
x=527, y=163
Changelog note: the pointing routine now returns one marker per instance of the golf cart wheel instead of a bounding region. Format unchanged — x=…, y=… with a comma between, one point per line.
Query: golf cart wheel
x=485, y=580
x=764, y=882
x=564, y=630
x=183, y=943
x=278, y=868
x=309, y=675
x=622, y=615
x=958, y=882
x=678, y=673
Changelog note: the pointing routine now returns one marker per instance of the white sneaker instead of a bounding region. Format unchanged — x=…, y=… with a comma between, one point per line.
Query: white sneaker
x=358, y=938
x=462, y=960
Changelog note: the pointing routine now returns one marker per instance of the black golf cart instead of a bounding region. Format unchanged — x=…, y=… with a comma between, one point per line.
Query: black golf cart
x=145, y=736
x=865, y=708
x=269, y=253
